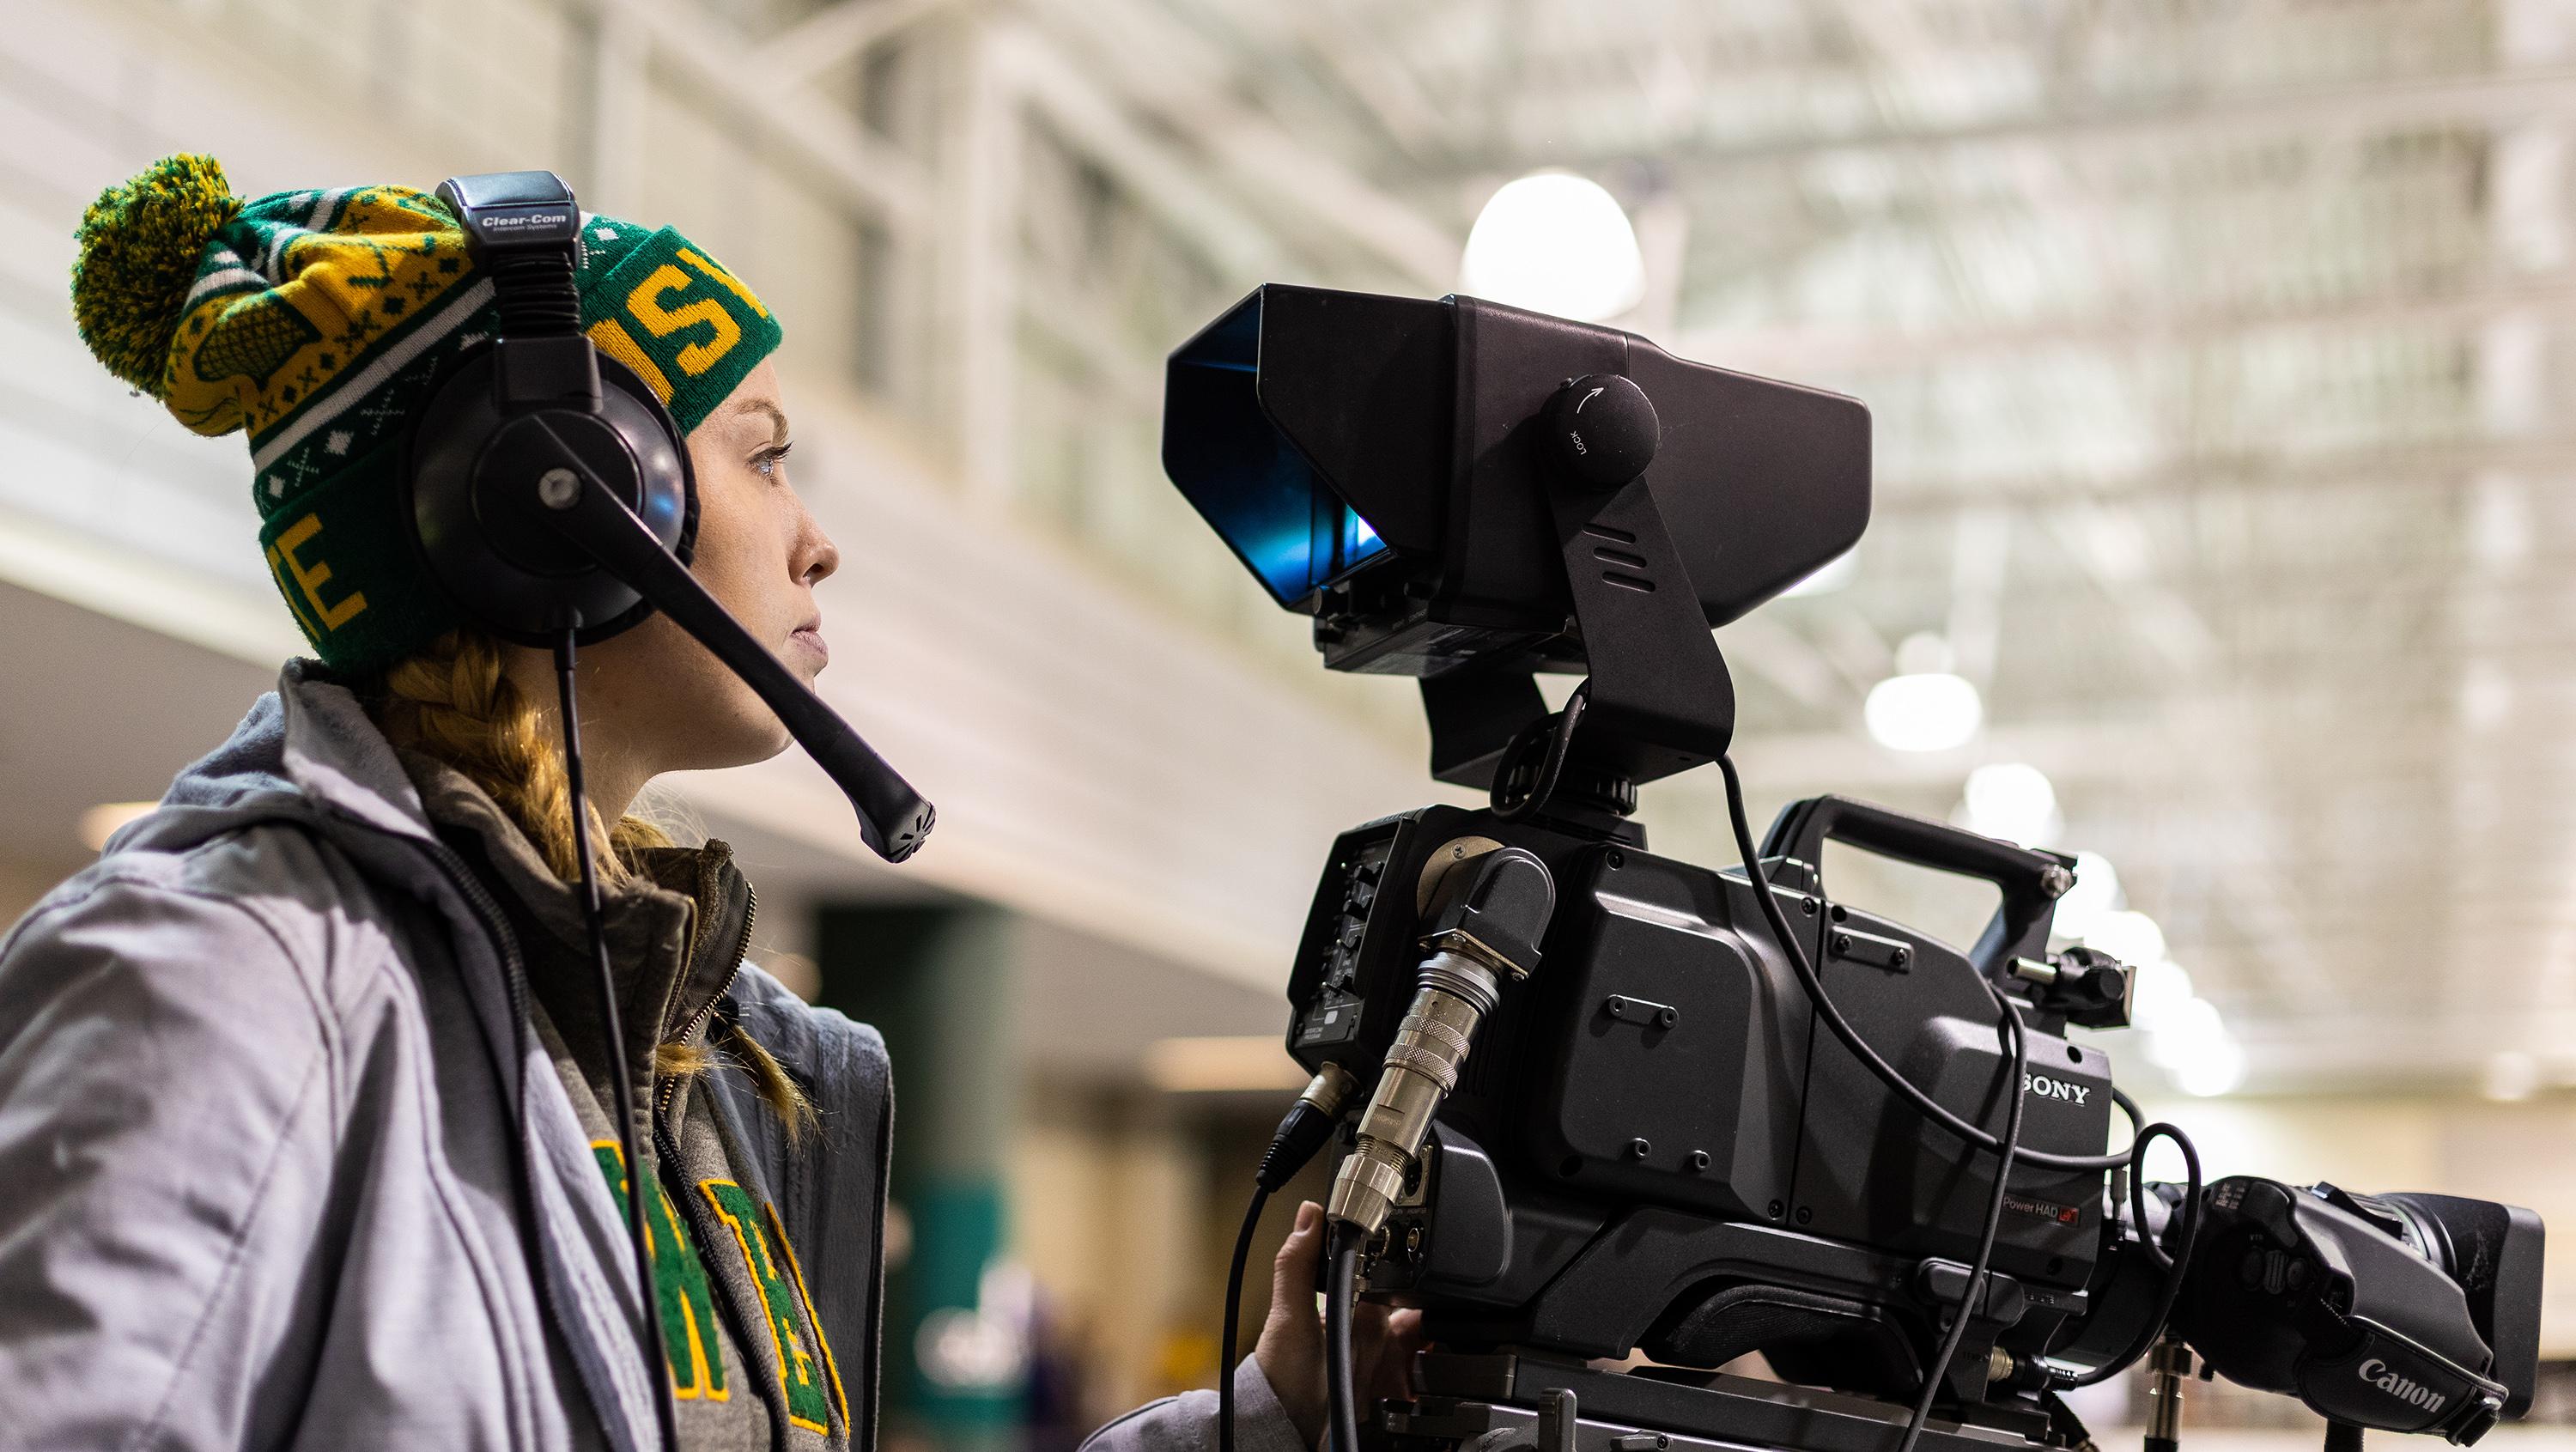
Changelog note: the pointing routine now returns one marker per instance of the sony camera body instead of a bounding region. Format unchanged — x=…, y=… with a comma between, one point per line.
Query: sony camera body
x=1653, y=1146
x=1603, y=1116
x=1655, y=1149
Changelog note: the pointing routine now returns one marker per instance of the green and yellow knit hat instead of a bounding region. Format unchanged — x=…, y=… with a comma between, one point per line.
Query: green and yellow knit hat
x=317, y=320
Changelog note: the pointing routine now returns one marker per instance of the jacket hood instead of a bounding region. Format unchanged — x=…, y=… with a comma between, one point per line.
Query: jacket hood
x=306, y=749
x=309, y=754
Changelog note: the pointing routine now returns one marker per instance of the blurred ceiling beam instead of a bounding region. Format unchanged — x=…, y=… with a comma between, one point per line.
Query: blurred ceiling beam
x=2440, y=464
x=835, y=35
x=1166, y=180
x=1371, y=72
x=620, y=61
x=876, y=177
x=1806, y=349
x=2480, y=99
x=977, y=263
x=2320, y=1049
x=1156, y=66
x=2115, y=746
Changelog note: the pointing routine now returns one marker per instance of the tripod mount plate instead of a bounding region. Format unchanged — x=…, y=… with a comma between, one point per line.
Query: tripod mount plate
x=1467, y=1395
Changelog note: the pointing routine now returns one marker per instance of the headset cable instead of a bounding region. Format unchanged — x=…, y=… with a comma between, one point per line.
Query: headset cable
x=620, y=1079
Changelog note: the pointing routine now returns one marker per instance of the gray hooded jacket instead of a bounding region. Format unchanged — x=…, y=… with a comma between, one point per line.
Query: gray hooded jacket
x=283, y=1166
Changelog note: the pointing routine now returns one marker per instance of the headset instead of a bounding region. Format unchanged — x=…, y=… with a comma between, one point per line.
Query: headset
x=553, y=503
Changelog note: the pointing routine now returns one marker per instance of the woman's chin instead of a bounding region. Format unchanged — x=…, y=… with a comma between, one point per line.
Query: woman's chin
x=747, y=737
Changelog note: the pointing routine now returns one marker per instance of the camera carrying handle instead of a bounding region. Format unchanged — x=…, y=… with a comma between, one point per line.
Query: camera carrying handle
x=2030, y=879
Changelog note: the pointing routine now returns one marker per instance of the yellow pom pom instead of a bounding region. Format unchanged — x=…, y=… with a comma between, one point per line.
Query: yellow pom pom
x=140, y=243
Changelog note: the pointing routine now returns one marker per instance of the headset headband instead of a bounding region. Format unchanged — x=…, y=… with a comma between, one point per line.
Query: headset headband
x=552, y=492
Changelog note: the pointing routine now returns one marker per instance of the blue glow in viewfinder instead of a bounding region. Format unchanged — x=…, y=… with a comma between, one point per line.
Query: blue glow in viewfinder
x=1245, y=478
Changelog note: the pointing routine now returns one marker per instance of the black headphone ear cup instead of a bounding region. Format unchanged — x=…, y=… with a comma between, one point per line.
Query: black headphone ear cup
x=469, y=494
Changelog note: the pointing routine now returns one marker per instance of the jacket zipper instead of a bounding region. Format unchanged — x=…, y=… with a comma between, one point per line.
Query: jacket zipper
x=670, y=1088
x=666, y=1148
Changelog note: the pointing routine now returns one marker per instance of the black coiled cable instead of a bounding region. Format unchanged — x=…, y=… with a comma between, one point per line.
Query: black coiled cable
x=534, y=293
x=2176, y=1265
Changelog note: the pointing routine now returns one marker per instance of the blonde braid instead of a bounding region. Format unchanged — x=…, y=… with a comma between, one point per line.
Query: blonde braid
x=453, y=701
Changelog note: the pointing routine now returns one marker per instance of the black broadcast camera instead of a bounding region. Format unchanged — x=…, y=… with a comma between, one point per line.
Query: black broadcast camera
x=1593, y=1102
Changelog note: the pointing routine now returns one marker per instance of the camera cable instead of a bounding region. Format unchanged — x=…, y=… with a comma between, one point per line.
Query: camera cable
x=1972, y=1299
x=1551, y=768
x=2133, y=1158
x=620, y=1079
x=1233, y=1315
x=1341, y=1275
x=1870, y=1058
x=2176, y=1265
x=1308, y=1124
x=2126, y=1182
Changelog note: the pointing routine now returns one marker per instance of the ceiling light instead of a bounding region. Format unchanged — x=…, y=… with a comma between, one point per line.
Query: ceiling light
x=2012, y=800
x=2211, y=1069
x=102, y=821
x=2193, y=1045
x=1931, y=711
x=1555, y=243
x=2486, y=696
x=1221, y=1065
x=2511, y=1075
x=2499, y=524
x=2131, y=937
x=2183, y=1029
x=2163, y=989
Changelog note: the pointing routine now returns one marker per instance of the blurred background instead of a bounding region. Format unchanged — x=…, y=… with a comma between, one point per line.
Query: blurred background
x=2220, y=358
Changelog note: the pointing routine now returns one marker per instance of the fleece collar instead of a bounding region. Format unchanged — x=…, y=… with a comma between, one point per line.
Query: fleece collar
x=311, y=749
x=675, y=929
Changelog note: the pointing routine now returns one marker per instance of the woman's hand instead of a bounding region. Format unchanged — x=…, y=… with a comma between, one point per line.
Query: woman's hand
x=1291, y=1349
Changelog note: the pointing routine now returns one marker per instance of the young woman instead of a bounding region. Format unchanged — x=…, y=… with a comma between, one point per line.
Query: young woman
x=302, y=1085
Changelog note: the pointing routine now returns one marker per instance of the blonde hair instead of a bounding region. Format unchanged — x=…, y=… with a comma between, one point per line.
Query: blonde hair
x=453, y=701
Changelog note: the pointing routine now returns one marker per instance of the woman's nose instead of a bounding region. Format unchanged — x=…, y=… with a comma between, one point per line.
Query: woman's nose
x=822, y=557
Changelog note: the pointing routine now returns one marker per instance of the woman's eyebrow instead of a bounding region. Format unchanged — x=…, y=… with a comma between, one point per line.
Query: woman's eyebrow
x=777, y=417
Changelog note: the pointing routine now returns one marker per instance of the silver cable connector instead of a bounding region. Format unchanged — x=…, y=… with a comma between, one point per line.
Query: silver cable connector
x=1484, y=931
x=1329, y=1090
x=1421, y=1068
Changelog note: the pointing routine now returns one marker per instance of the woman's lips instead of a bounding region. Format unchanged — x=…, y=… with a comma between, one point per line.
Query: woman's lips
x=811, y=638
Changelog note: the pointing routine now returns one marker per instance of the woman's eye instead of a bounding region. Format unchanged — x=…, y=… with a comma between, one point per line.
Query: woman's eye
x=766, y=462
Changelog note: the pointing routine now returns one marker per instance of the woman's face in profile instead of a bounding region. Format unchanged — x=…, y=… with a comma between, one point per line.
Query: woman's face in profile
x=761, y=555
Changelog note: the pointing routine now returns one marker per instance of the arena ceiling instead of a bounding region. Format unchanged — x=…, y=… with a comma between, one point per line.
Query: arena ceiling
x=2218, y=353
x=2219, y=362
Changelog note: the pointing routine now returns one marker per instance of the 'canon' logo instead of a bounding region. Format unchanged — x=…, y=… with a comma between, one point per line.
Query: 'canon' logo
x=2376, y=1372
x=2047, y=1088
